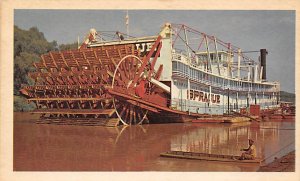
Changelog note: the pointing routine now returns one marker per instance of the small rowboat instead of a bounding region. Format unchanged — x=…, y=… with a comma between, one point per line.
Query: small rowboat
x=207, y=157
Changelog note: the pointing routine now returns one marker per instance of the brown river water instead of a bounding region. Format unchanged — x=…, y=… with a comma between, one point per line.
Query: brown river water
x=44, y=147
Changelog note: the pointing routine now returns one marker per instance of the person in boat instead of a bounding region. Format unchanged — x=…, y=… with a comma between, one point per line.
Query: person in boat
x=250, y=152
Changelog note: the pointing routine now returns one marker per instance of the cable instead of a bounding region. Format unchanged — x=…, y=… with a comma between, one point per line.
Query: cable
x=253, y=51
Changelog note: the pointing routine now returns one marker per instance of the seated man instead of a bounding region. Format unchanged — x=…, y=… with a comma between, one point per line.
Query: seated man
x=250, y=152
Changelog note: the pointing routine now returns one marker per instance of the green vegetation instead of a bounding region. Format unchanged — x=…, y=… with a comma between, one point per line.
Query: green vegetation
x=21, y=104
x=70, y=46
x=29, y=45
x=287, y=97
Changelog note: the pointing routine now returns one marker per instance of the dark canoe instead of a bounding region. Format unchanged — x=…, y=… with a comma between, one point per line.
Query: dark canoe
x=207, y=157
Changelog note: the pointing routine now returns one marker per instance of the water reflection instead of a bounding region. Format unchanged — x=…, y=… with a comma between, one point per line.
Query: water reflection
x=269, y=138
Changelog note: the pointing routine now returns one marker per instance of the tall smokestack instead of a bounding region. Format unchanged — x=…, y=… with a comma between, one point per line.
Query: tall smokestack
x=263, y=54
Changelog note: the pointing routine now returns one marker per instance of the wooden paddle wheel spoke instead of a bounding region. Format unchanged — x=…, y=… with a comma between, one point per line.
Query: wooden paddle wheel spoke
x=119, y=81
x=123, y=75
x=126, y=67
x=137, y=66
x=131, y=114
x=134, y=117
x=118, y=106
x=126, y=114
x=123, y=110
x=129, y=68
x=140, y=114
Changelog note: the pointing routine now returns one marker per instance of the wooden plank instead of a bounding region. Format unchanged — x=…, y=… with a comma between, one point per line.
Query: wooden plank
x=68, y=99
x=53, y=59
x=74, y=121
x=43, y=61
x=108, y=112
x=97, y=58
x=64, y=60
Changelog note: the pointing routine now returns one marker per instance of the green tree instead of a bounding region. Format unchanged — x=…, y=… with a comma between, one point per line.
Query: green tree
x=31, y=41
x=23, y=65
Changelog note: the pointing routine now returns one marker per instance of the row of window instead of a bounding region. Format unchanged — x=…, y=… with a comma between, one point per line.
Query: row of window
x=181, y=84
x=213, y=58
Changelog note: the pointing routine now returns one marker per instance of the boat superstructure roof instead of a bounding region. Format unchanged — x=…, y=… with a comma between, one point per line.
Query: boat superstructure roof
x=125, y=41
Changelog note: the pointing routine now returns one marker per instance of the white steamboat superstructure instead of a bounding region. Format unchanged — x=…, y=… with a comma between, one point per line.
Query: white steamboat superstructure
x=214, y=77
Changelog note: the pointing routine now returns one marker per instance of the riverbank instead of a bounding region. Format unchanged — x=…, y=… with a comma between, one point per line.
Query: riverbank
x=283, y=164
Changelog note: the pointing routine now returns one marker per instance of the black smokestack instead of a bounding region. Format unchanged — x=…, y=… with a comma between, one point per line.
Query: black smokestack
x=263, y=55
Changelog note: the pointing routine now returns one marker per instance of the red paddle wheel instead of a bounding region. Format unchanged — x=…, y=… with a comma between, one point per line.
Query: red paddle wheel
x=104, y=83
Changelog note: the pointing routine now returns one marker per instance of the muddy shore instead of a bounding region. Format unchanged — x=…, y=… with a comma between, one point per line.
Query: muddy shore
x=283, y=164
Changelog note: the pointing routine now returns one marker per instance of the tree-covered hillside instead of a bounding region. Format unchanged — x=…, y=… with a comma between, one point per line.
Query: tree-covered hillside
x=287, y=97
x=29, y=45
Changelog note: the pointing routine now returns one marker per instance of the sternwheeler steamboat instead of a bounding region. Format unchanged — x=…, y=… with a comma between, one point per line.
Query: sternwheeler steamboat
x=178, y=75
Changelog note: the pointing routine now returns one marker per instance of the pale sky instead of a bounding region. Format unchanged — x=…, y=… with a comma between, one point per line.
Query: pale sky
x=249, y=30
